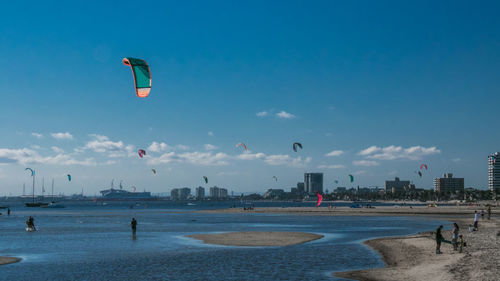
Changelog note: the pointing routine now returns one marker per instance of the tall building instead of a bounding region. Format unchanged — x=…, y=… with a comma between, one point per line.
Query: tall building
x=300, y=187
x=396, y=185
x=448, y=184
x=313, y=182
x=217, y=192
x=174, y=194
x=184, y=193
x=494, y=171
x=199, y=193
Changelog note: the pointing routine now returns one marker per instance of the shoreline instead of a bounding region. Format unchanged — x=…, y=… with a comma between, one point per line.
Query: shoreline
x=413, y=258
x=257, y=238
x=9, y=260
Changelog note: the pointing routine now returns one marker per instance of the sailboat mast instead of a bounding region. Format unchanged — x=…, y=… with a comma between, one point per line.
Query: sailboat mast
x=33, y=187
x=52, y=189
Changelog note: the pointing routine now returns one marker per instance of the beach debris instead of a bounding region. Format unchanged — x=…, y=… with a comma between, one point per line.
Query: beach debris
x=320, y=199
x=142, y=76
x=242, y=145
x=295, y=145
x=32, y=171
x=141, y=152
x=154, y=171
x=205, y=178
x=69, y=177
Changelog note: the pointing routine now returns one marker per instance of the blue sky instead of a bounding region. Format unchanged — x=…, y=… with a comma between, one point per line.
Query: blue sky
x=386, y=85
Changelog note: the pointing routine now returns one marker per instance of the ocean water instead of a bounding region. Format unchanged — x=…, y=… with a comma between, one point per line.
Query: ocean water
x=88, y=241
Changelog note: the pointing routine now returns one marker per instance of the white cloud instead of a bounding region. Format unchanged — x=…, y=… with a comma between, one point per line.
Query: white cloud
x=251, y=156
x=262, y=113
x=393, y=173
x=211, y=134
x=57, y=149
x=35, y=146
x=37, y=135
x=158, y=147
x=62, y=136
x=334, y=153
x=456, y=160
x=365, y=163
x=281, y=159
x=210, y=146
x=337, y=166
x=397, y=152
x=195, y=158
x=28, y=156
x=357, y=173
x=102, y=144
x=284, y=115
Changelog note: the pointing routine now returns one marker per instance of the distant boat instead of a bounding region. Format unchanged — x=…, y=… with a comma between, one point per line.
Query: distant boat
x=191, y=204
x=123, y=195
x=53, y=205
x=36, y=204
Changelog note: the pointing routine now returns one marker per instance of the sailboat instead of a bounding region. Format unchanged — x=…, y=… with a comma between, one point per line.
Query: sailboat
x=53, y=204
x=33, y=203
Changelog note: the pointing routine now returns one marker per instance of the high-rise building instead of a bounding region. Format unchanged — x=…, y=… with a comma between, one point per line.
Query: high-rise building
x=217, y=192
x=313, y=182
x=494, y=171
x=300, y=187
x=174, y=194
x=199, y=193
x=184, y=193
x=396, y=185
x=448, y=183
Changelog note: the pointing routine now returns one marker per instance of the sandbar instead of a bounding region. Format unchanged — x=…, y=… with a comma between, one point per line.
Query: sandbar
x=257, y=238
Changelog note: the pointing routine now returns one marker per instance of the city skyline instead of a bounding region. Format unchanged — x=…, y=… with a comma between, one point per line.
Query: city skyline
x=370, y=90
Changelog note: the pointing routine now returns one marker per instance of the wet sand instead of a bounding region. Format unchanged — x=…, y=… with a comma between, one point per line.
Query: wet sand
x=413, y=258
x=7, y=260
x=254, y=238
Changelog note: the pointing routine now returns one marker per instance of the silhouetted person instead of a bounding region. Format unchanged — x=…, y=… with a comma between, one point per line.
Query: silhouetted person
x=31, y=223
x=476, y=220
x=439, y=238
x=8, y=211
x=133, y=224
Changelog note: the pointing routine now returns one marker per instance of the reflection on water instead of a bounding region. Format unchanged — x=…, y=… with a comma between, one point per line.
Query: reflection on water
x=96, y=243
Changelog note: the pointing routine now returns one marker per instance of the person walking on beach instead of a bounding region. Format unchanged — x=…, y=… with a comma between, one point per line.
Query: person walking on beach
x=133, y=224
x=489, y=212
x=454, y=236
x=476, y=221
x=439, y=238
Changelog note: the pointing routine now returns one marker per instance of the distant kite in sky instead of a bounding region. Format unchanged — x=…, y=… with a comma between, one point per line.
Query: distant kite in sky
x=275, y=178
x=154, y=171
x=205, y=178
x=242, y=145
x=141, y=152
x=420, y=173
x=423, y=166
x=351, y=177
x=142, y=76
x=295, y=145
x=32, y=171
x=336, y=181
x=320, y=199
x=69, y=177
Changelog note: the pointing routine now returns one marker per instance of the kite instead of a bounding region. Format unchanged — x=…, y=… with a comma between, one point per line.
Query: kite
x=295, y=145
x=69, y=177
x=423, y=166
x=320, y=199
x=141, y=152
x=275, y=178
x=336, y=181
x=154, y=171
x=420, y=173
x=32, y=171
x=206, y=179
x=242, y=145
x=142, y=76
x=351, y=177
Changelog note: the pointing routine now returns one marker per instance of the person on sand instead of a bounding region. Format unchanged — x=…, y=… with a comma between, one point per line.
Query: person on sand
x=482, y=214
x=489, y=212
x=439, y=238
x=471, y=229
x=476, y=221
x=133, y=224
x=454, y=236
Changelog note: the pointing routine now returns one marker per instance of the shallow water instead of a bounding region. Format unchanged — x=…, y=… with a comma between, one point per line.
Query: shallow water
x=95, y=243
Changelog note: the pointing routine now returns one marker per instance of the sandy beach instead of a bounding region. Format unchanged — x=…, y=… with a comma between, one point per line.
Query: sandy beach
x=254, y=238
x=459, y=211
x=7, y=260
x=413, y=257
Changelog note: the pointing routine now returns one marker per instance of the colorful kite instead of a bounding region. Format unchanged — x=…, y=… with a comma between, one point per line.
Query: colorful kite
x=141, y=152
x=242, y=145
x=142, y=76
x=69, y=177
x=320, y=199
x=32, y=171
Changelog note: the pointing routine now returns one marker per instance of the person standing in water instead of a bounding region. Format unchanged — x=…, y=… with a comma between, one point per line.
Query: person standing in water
x=8, y=211
x=133, y=224
x=439, y=238
x=454, y=236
